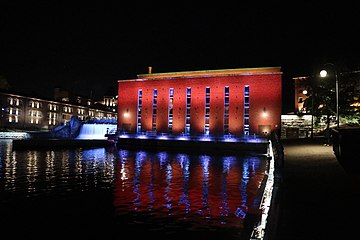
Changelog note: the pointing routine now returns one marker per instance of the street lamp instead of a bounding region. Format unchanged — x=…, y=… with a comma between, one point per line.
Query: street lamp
x=324, y=73
x=305, y=92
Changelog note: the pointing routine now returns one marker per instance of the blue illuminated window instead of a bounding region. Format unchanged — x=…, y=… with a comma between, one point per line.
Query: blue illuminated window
x=170, y=110
x=226, y=110
x=138, y=128
x=207, y=111
x=247, y=110
x=188, y=106
x=154, y=110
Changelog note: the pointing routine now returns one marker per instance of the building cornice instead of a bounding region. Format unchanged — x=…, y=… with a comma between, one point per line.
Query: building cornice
x=211, y=73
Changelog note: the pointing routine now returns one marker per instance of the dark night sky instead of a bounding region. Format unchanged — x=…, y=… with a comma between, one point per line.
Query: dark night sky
x=88, y=47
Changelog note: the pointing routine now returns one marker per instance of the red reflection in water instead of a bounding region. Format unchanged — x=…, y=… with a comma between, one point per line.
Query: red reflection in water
x=215, y=190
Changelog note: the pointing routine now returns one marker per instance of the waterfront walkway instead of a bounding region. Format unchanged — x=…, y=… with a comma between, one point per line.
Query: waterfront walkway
x=317, y=199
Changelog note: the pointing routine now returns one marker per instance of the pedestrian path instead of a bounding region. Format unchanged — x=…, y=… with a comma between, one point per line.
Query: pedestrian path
x=317, y=199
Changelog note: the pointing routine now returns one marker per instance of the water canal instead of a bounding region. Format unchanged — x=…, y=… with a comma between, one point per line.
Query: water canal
x=116, y=193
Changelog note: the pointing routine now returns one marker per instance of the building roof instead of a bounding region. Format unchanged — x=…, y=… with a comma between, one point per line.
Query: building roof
x=208, y=73
x=211, y=73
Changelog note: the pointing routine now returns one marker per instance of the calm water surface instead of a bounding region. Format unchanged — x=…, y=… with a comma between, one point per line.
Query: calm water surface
x=119, y=194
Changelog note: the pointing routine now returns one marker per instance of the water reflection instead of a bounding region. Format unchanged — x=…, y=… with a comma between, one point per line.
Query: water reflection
x=152, y=191
x=203, y=191
x=34, y=172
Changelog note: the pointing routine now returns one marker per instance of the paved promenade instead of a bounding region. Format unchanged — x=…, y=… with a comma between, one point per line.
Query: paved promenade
x=318, y=199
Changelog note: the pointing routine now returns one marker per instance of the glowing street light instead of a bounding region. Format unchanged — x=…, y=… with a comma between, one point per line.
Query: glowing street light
x=324, y=73
x=305, y=92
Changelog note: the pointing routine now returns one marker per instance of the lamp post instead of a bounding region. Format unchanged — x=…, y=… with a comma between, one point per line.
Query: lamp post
x=311, y=94
x=323, y=73
x=305, y=92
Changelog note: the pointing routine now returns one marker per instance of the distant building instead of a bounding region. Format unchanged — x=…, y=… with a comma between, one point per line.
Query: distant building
x=298, y=124
x=301, y=123
x=31, y=113
x=110, y=101
x=301, y=93
x=216, y=102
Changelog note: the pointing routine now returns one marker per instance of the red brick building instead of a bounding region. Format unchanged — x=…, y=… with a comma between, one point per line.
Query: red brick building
x=216, y=102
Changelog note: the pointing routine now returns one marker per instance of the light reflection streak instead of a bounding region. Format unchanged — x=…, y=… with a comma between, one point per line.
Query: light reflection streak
x=163, y=158
x=185, y=165
x=32, y=170
x=205, y=211
x=242, y=209
x=49, y=169
x=151, y=187
x=123, y=170
x=64, y=168
x=224, y=209
x=96, y=161
x=168, y=177
x=10, y=168
x=139, y=159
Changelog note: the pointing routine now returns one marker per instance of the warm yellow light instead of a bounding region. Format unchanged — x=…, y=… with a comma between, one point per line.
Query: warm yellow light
x=264, y=113
x=126, y=113
x=304, y=91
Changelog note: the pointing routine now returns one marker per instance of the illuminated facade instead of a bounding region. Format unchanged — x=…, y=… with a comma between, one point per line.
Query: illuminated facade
x=215, y=102
x=30, y=113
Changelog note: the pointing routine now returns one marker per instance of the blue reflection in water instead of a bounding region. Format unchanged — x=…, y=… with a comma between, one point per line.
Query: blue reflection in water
x=249, y=170
x=123, y=155
x=151, y=187
x=241, y=211
x=205, y=160
x=217, y=189
x=139, y=160
x=184, y=161
x=224, y=208
x=163, y=158
x=168, y=177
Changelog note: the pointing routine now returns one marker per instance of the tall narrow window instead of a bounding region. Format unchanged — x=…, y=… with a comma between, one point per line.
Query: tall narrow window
x=154, y=110
x=138, y=129
x=170, y=111
x=247, y=110
x=188, y=106
x=207, y=111
x=226, y=110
